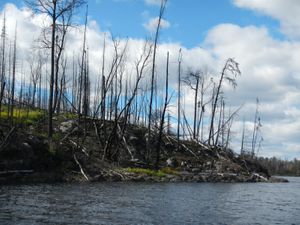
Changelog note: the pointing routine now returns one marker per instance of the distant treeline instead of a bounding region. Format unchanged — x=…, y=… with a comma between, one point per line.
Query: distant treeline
x=281, y=167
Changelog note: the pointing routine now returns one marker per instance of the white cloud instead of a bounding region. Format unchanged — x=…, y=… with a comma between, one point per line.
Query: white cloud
x=153, y=2
x=270, y=72
x=287, y=12
x=151, y=25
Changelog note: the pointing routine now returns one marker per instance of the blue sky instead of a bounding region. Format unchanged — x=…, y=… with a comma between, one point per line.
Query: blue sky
x=190, y=20
x=264, y=38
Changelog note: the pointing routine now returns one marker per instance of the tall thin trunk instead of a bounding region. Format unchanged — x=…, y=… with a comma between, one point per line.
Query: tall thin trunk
x=220, y=127
x=214, y=106
x=13, y=78
x=255, y=125
x=9, y=80
x=179, y=99
x=195, y=108
x=50, y=104
x=162, y=120
x=82, y=64
x=162, y=9
x=2, y=84
x=243, y=138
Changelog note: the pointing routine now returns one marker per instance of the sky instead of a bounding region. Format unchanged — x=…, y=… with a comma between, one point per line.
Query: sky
x=263, y=38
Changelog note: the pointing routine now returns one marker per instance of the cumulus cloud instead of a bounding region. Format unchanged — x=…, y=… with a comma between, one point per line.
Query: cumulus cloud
x=269, y=72
x=287, y=12
x=153, y=22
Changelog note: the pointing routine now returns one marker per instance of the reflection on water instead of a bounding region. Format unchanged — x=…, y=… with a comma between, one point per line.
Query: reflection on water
x=150, y=203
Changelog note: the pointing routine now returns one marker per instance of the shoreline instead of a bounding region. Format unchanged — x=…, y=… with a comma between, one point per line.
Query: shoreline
x=117, y=176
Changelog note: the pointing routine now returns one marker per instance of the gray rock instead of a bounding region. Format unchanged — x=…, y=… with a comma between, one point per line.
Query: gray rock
x=196, y=170
x=175, y=179
x=171, y=162
x=169, y=176
x=67, y=126
x=184, y=173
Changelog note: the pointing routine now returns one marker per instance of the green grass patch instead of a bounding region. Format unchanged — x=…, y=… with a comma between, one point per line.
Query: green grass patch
x=23, y=115
x=169, y=170
x=149, y=172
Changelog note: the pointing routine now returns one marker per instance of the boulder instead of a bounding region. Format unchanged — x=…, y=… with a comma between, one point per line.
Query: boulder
x=171, y=162
x=67, y=126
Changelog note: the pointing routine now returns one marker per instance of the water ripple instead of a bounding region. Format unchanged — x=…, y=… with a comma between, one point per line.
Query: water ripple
x=143, y=203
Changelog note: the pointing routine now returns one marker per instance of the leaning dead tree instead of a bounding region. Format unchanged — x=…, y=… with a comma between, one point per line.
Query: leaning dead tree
x=229, y=72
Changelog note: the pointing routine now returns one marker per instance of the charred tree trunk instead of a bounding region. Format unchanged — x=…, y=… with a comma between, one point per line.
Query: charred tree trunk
x=162, y=120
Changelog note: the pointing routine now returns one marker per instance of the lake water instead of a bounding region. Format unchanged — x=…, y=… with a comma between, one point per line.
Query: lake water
x=151, y=203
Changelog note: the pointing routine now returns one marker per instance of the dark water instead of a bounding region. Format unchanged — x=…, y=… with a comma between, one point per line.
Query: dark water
x=140, y=203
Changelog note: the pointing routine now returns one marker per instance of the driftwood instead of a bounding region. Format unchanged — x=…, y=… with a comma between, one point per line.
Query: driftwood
x=80, y=167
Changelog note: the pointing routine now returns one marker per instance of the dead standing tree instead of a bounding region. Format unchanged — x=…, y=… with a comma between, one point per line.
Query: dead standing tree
x=256, y=130
x=231, y=67
x=36, y=63
x=140, y=67
x=161, y=13
x=55, y=9
x=162, y=119
x=62, y=29
x=12, y=102
x=2, y=61
x=193, y=81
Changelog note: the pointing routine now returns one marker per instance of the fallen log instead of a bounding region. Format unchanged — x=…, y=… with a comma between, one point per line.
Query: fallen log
x=80, y=167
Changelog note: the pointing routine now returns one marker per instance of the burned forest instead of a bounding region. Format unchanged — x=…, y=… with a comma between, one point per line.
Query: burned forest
x=143, y=115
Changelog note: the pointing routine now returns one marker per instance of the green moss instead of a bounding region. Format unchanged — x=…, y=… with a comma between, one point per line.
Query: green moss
x=149, y=172
x=169, y=170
